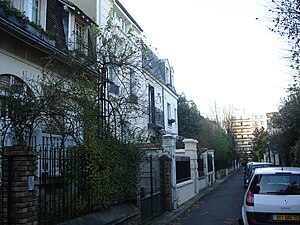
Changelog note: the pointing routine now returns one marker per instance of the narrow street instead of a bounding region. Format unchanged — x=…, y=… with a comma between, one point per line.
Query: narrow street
x=221, y=207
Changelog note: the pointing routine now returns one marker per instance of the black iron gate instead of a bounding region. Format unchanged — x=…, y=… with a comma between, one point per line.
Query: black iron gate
x=1, y=188
x=152, y=193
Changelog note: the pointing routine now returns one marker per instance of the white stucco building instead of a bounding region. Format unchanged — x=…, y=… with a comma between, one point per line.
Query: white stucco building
x=26, y=52
x=155, y=80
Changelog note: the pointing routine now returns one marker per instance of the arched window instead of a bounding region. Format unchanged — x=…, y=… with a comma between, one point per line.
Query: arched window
x=15, y=107
x=13, y=83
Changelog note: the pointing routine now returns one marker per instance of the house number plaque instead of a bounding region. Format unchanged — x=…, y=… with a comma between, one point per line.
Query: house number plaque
x=30, y=183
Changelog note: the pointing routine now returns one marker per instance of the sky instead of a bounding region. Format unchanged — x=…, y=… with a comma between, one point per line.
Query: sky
x=222, y=51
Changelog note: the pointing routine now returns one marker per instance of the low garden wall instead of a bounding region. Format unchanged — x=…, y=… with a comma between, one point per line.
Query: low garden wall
x=185, y=191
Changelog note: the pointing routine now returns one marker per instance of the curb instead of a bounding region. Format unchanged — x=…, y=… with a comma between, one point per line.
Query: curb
x=169, y=217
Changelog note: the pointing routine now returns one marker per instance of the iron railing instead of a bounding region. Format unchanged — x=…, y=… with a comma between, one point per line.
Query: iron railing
x=152, y=202
x=183, y=169
x=62, y=188
x=156, y=117
x=1, y=188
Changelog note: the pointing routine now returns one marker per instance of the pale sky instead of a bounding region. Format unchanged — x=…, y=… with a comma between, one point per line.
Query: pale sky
x=222, y=50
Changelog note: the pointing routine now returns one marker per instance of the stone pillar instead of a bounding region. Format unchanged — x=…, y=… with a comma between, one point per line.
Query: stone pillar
x=138, y=197
x=19, y=186
x=191, y=151
x=166, y=182
x=213, y=176
x=169, y=146
x=205, y=166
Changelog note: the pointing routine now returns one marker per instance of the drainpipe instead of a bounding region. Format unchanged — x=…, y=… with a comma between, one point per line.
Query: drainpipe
x=163, y=105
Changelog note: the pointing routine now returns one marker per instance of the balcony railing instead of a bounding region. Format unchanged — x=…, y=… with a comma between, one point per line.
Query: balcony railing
x=156, y=117
x=113, y=88
x=17, y=18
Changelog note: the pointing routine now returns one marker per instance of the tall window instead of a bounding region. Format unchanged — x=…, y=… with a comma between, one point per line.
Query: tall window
x=175, y=114
x=122, y=24
x=35, y=10
x=80, y=37
x=31, y=9
x=169, y=111
x=133, y=97
x=113, y=86
x=151, y=105
x=133, y=83
x=168, y=76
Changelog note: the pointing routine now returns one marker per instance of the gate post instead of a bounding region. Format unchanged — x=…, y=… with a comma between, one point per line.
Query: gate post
x=169, y=146
x=166, y=181
x=190, y=147
x=19, y=186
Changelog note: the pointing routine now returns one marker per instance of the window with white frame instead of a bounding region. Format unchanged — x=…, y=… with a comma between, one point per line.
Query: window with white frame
x=175, y=114
x=31, y=9
x=133, y=89
x=167, y=75
x=169, y=114
x=112, y=74
x=35, y=10
x=169, y=78
x=133, y=82
x=77, y=30
x=80, y=37
x=121, y=23
x=113, y=81
x=169, y=110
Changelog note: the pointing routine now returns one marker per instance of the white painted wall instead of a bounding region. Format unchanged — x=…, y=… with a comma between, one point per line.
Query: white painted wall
x=171, y=98
x=10, y=64
x=185, y=191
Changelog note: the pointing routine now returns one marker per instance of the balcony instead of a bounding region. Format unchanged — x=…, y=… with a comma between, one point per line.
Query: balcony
x=113, y=88
x=133, y=99
x=156, y=118
x=18, y=21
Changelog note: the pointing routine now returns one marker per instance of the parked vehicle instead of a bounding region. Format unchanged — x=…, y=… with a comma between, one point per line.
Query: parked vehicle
x=273, y=197
x=246, y=170
x=250, y=167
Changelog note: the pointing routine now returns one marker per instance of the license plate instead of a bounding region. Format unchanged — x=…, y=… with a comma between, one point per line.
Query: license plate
x=286, y=217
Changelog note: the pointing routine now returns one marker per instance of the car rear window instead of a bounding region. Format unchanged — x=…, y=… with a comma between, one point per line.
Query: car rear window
x=285, y=184
x=253, y=167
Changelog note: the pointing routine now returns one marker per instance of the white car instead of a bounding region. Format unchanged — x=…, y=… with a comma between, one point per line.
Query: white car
x=273, y=197
x=250, y=167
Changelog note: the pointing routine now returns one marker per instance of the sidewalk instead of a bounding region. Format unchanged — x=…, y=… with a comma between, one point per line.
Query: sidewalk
x=168, y=217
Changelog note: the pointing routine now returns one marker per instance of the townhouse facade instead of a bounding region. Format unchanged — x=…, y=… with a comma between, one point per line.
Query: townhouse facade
x=50, y=31
x=155, y=80
x=38, y=39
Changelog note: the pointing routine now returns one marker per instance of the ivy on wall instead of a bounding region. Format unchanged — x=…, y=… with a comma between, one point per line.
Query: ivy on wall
x=109, y=169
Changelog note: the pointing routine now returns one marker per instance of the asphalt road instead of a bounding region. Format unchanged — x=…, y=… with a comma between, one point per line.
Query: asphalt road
x=221, y=207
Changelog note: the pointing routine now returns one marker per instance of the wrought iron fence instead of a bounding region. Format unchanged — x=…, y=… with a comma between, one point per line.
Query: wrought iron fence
x=61, y=174
x=1, y=189
x=183, y=169
x=62, y=190
x=152, y=203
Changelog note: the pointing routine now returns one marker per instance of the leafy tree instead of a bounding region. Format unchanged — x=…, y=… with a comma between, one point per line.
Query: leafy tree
x=286, y=23
x=287, y=122
x=295, y=154
x=189, y=118
x=208, y=133
x=223, y=145
x=259, y=143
